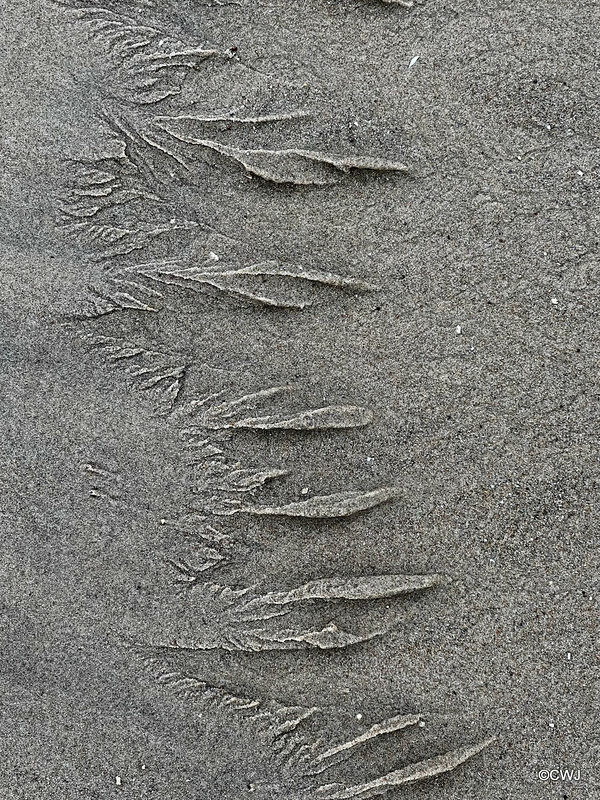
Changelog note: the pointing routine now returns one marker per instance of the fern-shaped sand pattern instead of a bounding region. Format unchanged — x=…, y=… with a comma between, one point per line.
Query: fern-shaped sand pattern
x=121, y=211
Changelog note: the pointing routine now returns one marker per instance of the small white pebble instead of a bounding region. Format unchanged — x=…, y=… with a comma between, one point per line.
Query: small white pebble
x=551, y=724
x=554, y=301
x=143, y=766
x=421, y=724
x=359, y=716
x=580, y=173
x=369, y=460
x=118, y=780
x=213, y=256
x=569, y=656
x=458, y=330
x=305, y=490
x=413, y=61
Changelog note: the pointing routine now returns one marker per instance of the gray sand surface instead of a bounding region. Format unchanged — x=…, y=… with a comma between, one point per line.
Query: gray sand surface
x=478, y=357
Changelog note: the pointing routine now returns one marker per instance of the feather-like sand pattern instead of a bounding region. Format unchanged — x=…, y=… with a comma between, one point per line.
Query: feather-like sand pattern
x=373, y=587
x=153, y=62
x=263, y=119
x=324, y=760
x=194, y=280
x=228, y=279
x=328, y=638
x=114, y=297
x=293, y=165
x=233, y=415
x=296, y=756
x=256, y=640
x=155, y=370
x=228, y=614
x=400, y=777
x=119, y=213
x=226, y=478
x=318, y=419
x=330, y=506
x=276, y=269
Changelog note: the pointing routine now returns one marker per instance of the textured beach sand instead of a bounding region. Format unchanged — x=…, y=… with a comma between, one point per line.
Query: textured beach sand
x=478, y=356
